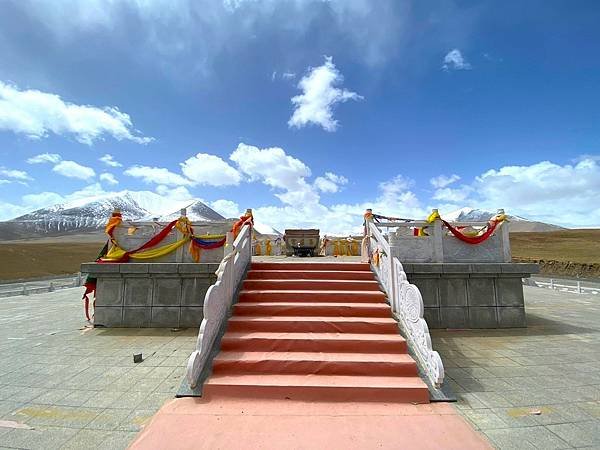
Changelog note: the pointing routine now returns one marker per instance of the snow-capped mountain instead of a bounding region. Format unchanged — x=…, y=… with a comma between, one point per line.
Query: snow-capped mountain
x=90, y=214
x=517, y=223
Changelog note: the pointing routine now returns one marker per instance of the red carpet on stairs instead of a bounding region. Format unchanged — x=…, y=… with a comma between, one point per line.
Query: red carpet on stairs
x=318, y=331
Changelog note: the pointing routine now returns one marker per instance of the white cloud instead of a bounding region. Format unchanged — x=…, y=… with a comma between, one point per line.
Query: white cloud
x=288, y=75
x=110, y=161
x=19, y=175
x=174, y=193
x=44, y=158
x=548, y=192
x=108, y=178
x=4, y=181
x=158, y=175
x=226, y=208
x=330, y=183
x=72, y=169
x=37, y=114
x=453, y=195
x=455, y=60
x=442, y=181
x=277, y=169
x=41, y=200
x=205, y=169
x=319, y=96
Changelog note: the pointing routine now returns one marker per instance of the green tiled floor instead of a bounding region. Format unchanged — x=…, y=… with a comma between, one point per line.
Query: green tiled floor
x=537, y=387
x=78, y=387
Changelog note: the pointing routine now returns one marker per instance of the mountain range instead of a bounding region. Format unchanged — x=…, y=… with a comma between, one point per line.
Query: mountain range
x=517, y=223
x=88, y=216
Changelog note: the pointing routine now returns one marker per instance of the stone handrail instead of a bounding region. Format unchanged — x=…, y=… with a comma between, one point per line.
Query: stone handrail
x=218, y=300
x=407, y=305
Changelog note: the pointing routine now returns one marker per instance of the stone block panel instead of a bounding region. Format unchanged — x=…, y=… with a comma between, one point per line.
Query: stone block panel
x=509, y=291
x=165, y=317
x=453, y=292
x=191, y=316
x=430, y=291
x=454, y=317
x=136, y=317
x=109, y=292
x=166, y=292
x=138, y=292
x=108, y=316
x=483, y=317
x=432, y=317
x=481, y=292
x=511, y=317
x=193, y=291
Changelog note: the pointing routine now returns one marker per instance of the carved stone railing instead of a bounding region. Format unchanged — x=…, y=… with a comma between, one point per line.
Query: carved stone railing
x=440, y=246
x=407, y=305
x=218, y=300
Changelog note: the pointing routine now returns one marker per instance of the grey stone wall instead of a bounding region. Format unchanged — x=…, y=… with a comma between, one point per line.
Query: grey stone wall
x=160, y=295
x=484, y=295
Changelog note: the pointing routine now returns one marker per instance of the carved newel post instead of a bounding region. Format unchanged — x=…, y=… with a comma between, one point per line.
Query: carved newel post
x=504, y=230
x=438, y=243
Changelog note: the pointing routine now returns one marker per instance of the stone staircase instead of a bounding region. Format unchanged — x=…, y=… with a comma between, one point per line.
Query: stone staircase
x=314, y=331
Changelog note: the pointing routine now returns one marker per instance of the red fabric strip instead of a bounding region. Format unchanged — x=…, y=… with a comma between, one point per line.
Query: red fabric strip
x=475, y=239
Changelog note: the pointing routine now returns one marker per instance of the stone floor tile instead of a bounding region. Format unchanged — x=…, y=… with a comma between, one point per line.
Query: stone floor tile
x=56, y=416
x=42, y=438
x=484, y=419
x=86, y=439
x=117, y=440
x=109, y=419
x=129, y=400
x=578, y=434
x=136, y=420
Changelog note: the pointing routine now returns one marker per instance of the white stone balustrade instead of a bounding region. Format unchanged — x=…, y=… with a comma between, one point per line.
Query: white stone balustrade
x=218, y=301
x=406, y=303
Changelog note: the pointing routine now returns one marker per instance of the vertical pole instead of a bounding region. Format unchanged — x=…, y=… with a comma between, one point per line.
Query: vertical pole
x=551, y=283
x=438, y=243
x=179, y=253
x=505, y=239
x=578, y=287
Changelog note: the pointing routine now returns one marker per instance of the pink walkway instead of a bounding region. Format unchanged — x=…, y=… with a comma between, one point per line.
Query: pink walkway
x=229, y=423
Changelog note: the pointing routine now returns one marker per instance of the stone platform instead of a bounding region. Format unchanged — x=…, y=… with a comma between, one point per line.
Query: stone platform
x=160, y=295
x=477, y=295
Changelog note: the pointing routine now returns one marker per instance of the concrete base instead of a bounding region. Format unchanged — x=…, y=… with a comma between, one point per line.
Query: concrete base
x=157, y=295
x=483, y=295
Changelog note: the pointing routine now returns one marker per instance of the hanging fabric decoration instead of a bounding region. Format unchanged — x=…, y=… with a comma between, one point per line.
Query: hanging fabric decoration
x=491, y=227
x=469, y=237
x=118, y=255
x=268, y=248
x=243, y=220
x=90, y=286
x=205, y=242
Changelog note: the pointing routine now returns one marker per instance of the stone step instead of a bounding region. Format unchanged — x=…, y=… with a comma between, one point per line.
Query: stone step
x=310, y=266
x=313, y=342
x=308, y=324
x=359, y=364
x=316, y=285
x=287, y=295
x=319, y=387
x=312, y=309
x=310, y=275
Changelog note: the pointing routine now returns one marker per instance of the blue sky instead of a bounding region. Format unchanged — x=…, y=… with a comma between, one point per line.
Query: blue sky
x=307, y=111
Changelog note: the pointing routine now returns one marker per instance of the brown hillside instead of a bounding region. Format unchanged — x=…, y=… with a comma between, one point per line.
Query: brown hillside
x=565, y=252
x=32, y=260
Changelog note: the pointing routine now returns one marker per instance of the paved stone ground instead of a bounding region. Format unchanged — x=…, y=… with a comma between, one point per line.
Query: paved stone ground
x=79, y=388
x=502, y=378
